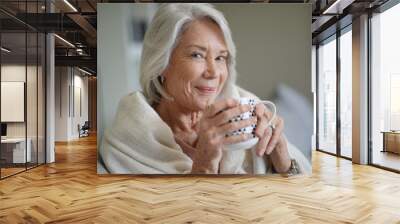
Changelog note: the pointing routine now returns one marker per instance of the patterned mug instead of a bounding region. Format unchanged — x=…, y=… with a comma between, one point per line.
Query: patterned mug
x=249, y=129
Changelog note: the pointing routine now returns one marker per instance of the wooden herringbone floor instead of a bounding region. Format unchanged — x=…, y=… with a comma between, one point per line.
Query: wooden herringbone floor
x=70, y=191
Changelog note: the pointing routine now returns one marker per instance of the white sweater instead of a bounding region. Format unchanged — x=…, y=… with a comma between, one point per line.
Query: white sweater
x=140, y=142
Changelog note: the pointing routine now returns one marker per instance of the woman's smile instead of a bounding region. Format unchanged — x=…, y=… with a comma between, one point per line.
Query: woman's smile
x=206, y=90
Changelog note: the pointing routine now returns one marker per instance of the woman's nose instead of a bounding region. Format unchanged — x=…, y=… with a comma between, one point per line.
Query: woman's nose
x=211, y=71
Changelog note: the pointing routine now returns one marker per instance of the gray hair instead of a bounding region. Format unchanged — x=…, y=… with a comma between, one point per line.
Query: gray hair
x=162, y=37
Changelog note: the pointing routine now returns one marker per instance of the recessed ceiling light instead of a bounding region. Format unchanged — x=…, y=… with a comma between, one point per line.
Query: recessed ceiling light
x=70, y=5
x=338, y=6
x=86, y=72
x=5, y=50
x=64, y=40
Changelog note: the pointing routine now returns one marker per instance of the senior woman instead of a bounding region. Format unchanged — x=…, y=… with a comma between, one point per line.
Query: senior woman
x=180, y=124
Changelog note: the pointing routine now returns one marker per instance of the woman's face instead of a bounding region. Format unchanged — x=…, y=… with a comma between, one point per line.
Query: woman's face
x=198, y=66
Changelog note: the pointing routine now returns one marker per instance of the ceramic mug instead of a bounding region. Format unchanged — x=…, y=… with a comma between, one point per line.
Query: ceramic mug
x=249, y=129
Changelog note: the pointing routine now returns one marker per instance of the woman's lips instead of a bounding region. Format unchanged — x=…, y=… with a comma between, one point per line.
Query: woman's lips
x=206, y=89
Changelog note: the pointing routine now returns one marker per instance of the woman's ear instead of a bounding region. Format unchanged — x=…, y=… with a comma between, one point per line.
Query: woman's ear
x=161, y=79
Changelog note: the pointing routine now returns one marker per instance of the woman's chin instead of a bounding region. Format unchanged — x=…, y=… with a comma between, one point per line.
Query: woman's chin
x=203, y=100
x=202, y=104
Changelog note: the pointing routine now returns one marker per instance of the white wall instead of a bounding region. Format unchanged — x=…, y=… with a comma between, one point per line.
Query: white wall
x=80, y=82
x=15, y=72
x=67, y=80
x=61, y=103
x=33, y=126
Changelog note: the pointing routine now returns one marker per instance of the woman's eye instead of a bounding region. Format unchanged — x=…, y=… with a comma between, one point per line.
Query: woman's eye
x=221, y=58
x=196, y=55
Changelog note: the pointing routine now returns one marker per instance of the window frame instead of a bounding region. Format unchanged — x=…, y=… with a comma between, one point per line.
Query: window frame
x=336, y=35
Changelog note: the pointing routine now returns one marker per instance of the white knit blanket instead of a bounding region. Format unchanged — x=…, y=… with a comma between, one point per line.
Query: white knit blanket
x=140, y=142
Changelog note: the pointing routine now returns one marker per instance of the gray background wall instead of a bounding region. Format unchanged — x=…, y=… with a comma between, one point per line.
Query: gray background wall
x=273, y=46
x=118, y=56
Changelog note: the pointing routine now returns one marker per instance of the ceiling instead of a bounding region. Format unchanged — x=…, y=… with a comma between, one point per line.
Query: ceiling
x=72, y=20
x=76, y=22
x=332, y=15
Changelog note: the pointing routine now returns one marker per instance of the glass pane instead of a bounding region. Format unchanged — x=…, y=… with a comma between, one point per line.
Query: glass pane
x=327, y=96
x=386, y=89
x=31, y=100
x=13, y=87
x=346, y=94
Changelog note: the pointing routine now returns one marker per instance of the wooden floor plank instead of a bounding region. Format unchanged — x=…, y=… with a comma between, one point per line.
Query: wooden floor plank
x=70, y=191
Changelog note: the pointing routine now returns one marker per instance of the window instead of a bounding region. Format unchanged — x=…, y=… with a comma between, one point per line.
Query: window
x=327, y=95
x=346, y=92
x=333, y=137
x=394, y=102
x=385, y=88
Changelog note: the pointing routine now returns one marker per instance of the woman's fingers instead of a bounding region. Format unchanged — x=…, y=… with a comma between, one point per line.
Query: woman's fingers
x=263, y=142
x=226, y=115
x=262, y=124
x=219, y=106
x=234, y=126
x=262, y=111
x=259, y=110
x=276, y=136
x=268, y=138
x=261, y=131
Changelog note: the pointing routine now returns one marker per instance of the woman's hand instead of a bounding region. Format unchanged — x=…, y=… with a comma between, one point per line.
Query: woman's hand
x=214, y=126
x=271, y=140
